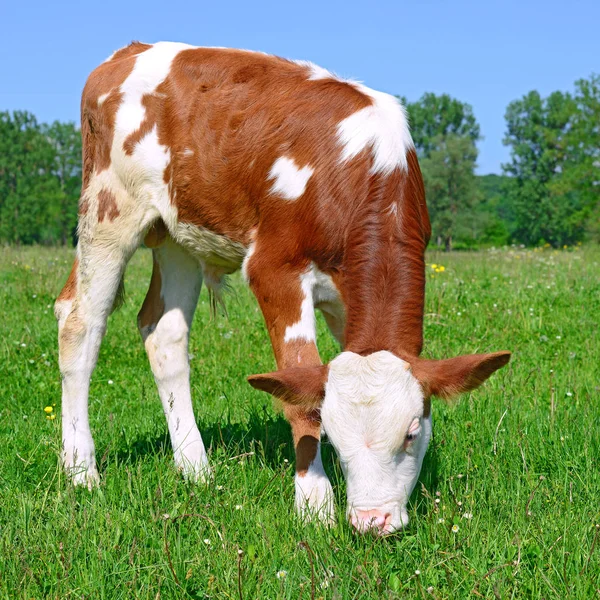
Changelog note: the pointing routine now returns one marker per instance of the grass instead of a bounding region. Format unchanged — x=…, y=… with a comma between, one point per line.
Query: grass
x=520, y=456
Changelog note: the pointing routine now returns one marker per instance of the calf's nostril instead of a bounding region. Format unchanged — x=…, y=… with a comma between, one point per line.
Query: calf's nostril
x=364, y=520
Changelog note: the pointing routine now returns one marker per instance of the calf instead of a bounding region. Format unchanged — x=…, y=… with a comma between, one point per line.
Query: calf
x=219, y=159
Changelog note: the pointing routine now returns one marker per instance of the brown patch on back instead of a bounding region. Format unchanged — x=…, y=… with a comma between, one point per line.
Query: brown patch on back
x=98, y=122
x=107, y=205
x=238, y=112
x=153, y=307
x=156, y=235
x=70, y=289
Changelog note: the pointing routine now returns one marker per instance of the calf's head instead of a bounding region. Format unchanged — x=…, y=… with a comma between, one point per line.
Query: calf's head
x=375, y=410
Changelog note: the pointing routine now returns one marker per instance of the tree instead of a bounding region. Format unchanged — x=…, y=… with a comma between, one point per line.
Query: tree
x=433, y=116
x=40, y=177
x=554, y=164
x=65, y=140
x=452, y=191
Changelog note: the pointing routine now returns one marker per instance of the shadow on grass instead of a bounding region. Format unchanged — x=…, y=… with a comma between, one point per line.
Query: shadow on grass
x=269, y=437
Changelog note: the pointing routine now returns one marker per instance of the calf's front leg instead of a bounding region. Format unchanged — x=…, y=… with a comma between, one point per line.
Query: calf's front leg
x=284, y=294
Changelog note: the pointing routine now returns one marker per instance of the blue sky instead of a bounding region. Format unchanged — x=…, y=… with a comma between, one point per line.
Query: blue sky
x=485, y=52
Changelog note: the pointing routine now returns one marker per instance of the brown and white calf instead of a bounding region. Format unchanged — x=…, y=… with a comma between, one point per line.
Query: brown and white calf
x=220, y=159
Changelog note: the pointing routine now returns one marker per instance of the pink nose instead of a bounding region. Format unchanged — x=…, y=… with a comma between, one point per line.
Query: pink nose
x=363, y=520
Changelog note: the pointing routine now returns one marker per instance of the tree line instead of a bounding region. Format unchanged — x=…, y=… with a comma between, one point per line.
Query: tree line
x=548, y=192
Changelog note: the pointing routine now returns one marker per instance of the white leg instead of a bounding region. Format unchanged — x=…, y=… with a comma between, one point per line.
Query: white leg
x=164, y=322
x=314, y=494
x=82, y=310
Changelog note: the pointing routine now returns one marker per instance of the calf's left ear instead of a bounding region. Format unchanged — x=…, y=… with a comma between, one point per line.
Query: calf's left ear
x=300, y=386
x=448, y=378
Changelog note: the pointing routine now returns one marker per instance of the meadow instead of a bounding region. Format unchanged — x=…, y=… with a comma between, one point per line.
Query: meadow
x=508, y=503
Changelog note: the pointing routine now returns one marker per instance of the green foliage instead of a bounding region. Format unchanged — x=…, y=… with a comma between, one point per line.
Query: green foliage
x=519, y=455
x=555, y=164
x=445, y=132
x=40, y=178
x=433, y=117
x=448, y=173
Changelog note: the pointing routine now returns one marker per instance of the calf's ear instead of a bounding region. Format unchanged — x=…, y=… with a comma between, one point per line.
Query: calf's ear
x=300, y=386
x=448, y=378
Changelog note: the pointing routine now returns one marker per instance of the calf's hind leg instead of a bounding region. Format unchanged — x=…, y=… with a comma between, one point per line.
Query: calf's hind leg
x=164, y=322
x=82, y=309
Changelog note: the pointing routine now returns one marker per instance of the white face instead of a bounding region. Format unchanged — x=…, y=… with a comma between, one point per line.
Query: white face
x=373, y=416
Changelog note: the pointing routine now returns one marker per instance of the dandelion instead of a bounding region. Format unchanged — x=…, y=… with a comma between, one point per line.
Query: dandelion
x=48, y=409
x=455, y=528
x=281, y=574
x=434, y=266
x=51, y=417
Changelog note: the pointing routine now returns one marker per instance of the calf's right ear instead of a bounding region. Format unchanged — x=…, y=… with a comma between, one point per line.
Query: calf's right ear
x=453, y=376
x=300, y=386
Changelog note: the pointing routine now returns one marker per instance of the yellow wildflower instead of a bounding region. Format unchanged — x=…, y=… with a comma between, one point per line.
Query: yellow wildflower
x=433, y=266
x=51, y=417
x=48, y=409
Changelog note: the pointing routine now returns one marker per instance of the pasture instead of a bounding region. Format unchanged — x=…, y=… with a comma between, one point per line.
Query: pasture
x=508, y=503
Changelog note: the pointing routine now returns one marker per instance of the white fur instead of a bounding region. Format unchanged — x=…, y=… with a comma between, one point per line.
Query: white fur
x=166, y=344
x=290, y=181
x=249, y=253
x=314, y=494
x=370, y=403
x=142, y=173
x=384, y=126
x=102, y=98
x=304, y=329
x=315, y=72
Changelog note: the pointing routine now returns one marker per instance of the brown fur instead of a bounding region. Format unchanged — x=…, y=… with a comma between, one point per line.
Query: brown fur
x=153, y=307
x=156, y=235
x=70, y=288
x=107, y=206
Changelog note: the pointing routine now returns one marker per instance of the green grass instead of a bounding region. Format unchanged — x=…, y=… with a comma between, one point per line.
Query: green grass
x=522, y=454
